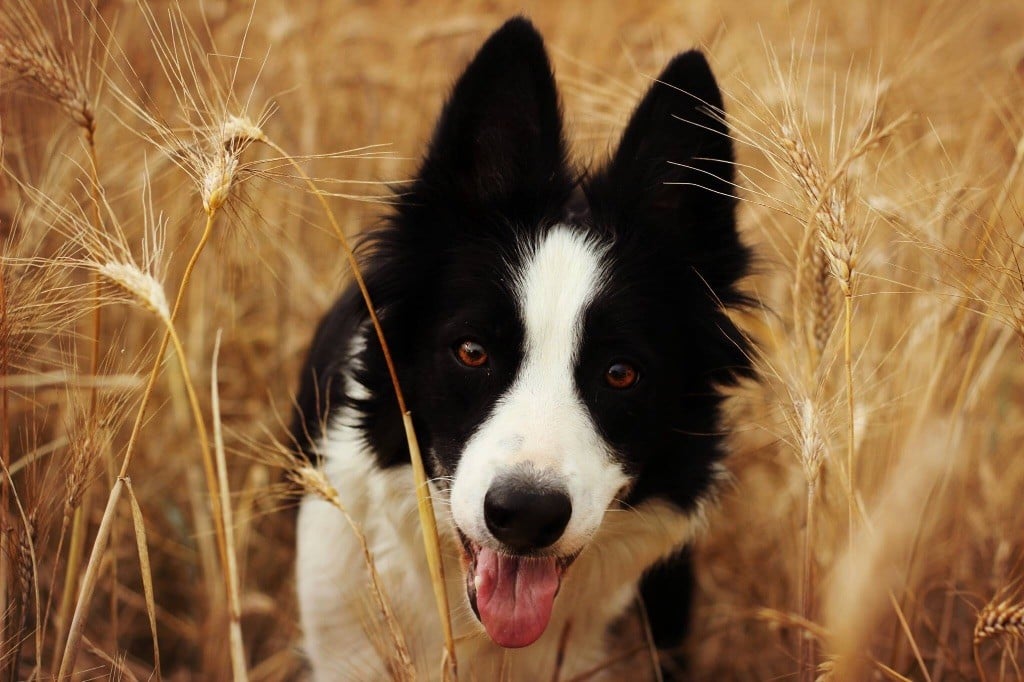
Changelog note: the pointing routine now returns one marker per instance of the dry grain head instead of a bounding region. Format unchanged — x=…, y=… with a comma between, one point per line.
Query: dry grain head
x=1000, y=619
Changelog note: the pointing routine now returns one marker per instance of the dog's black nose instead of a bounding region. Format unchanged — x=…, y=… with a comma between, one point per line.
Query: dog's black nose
x=526, y=518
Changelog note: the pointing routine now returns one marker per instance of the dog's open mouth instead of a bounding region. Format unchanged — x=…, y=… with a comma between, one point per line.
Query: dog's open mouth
x=512, y=595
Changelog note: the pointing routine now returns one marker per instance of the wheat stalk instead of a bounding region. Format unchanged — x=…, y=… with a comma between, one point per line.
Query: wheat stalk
x=92, y=440
x=238, y=665
x=30, y=50
x=142, y=548
x=5, y=446
x=425, y=507
x=213, y=161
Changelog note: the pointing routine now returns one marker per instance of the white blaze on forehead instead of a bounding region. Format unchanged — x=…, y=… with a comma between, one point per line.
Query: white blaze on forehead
x=542, y=420
x=556, y=283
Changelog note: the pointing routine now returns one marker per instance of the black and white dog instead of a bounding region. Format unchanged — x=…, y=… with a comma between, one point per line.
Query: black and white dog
x=560, y=338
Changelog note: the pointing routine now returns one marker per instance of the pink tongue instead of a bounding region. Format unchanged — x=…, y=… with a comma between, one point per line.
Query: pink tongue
x=514, y=596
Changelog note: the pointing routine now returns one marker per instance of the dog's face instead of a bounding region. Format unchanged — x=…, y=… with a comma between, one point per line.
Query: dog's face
x=560, y=337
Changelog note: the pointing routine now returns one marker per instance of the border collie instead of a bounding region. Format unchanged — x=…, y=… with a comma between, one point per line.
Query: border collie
x=560, y=337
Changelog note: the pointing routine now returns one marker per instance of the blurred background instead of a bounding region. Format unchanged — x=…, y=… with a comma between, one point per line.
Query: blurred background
x=880, y=147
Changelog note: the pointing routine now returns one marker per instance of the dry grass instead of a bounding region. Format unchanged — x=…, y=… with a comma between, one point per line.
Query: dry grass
x=149, y=202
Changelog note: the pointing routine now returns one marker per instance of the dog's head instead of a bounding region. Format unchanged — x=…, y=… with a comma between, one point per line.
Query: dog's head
x=559, y=336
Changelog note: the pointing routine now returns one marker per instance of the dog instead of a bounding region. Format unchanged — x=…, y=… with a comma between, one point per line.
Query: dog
x=561, y=338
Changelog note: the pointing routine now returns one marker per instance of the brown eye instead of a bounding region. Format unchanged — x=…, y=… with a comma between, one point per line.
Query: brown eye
x=471, y=354
x=621, y=375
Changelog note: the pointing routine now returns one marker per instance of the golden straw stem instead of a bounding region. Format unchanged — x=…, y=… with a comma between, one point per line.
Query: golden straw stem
x=237, y=646
x=431, y=540
x=848, y=362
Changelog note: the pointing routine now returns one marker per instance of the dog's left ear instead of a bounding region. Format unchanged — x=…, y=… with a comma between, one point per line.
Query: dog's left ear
x=673, y=171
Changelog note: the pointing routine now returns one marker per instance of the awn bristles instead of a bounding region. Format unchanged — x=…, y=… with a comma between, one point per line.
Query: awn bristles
x=108, y=253
x=216, y=130
x=40, y=299
x=240, y=130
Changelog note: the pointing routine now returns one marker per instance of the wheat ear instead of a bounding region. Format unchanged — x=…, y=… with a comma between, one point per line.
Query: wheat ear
x=997, y=620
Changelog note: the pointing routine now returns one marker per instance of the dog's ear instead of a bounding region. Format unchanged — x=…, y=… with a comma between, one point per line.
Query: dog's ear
x=673, y=170
x=499, y=138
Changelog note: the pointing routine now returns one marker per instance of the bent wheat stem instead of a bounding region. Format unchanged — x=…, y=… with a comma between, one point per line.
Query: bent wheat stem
x=425, y=505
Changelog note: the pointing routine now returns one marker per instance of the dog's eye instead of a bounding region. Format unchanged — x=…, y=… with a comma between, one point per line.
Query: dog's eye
x=621, y=375
x=470, y=353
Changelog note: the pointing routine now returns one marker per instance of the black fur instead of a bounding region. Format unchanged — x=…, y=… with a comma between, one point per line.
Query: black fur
x=495, y=176
x=495, y=172
x=667, y=593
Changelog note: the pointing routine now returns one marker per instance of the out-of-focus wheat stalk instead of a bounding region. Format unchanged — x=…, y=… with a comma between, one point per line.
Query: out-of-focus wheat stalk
x=825, y=263
x=142, y=548
x=25, y=576
x=49, y=60
x=36, y=297
x=809, y=425
x=238, y=665
x=212, y=159
x=28, y=49
x=93, y=430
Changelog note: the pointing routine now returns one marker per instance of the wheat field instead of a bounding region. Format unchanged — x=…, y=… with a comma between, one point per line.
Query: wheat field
x=177, y=178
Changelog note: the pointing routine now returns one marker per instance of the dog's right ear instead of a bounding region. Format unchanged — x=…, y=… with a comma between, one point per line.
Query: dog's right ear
x=498, y=143
x=673, y=173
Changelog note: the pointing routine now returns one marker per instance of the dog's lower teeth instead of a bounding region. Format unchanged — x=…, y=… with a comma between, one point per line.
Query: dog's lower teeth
x=476, y=581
